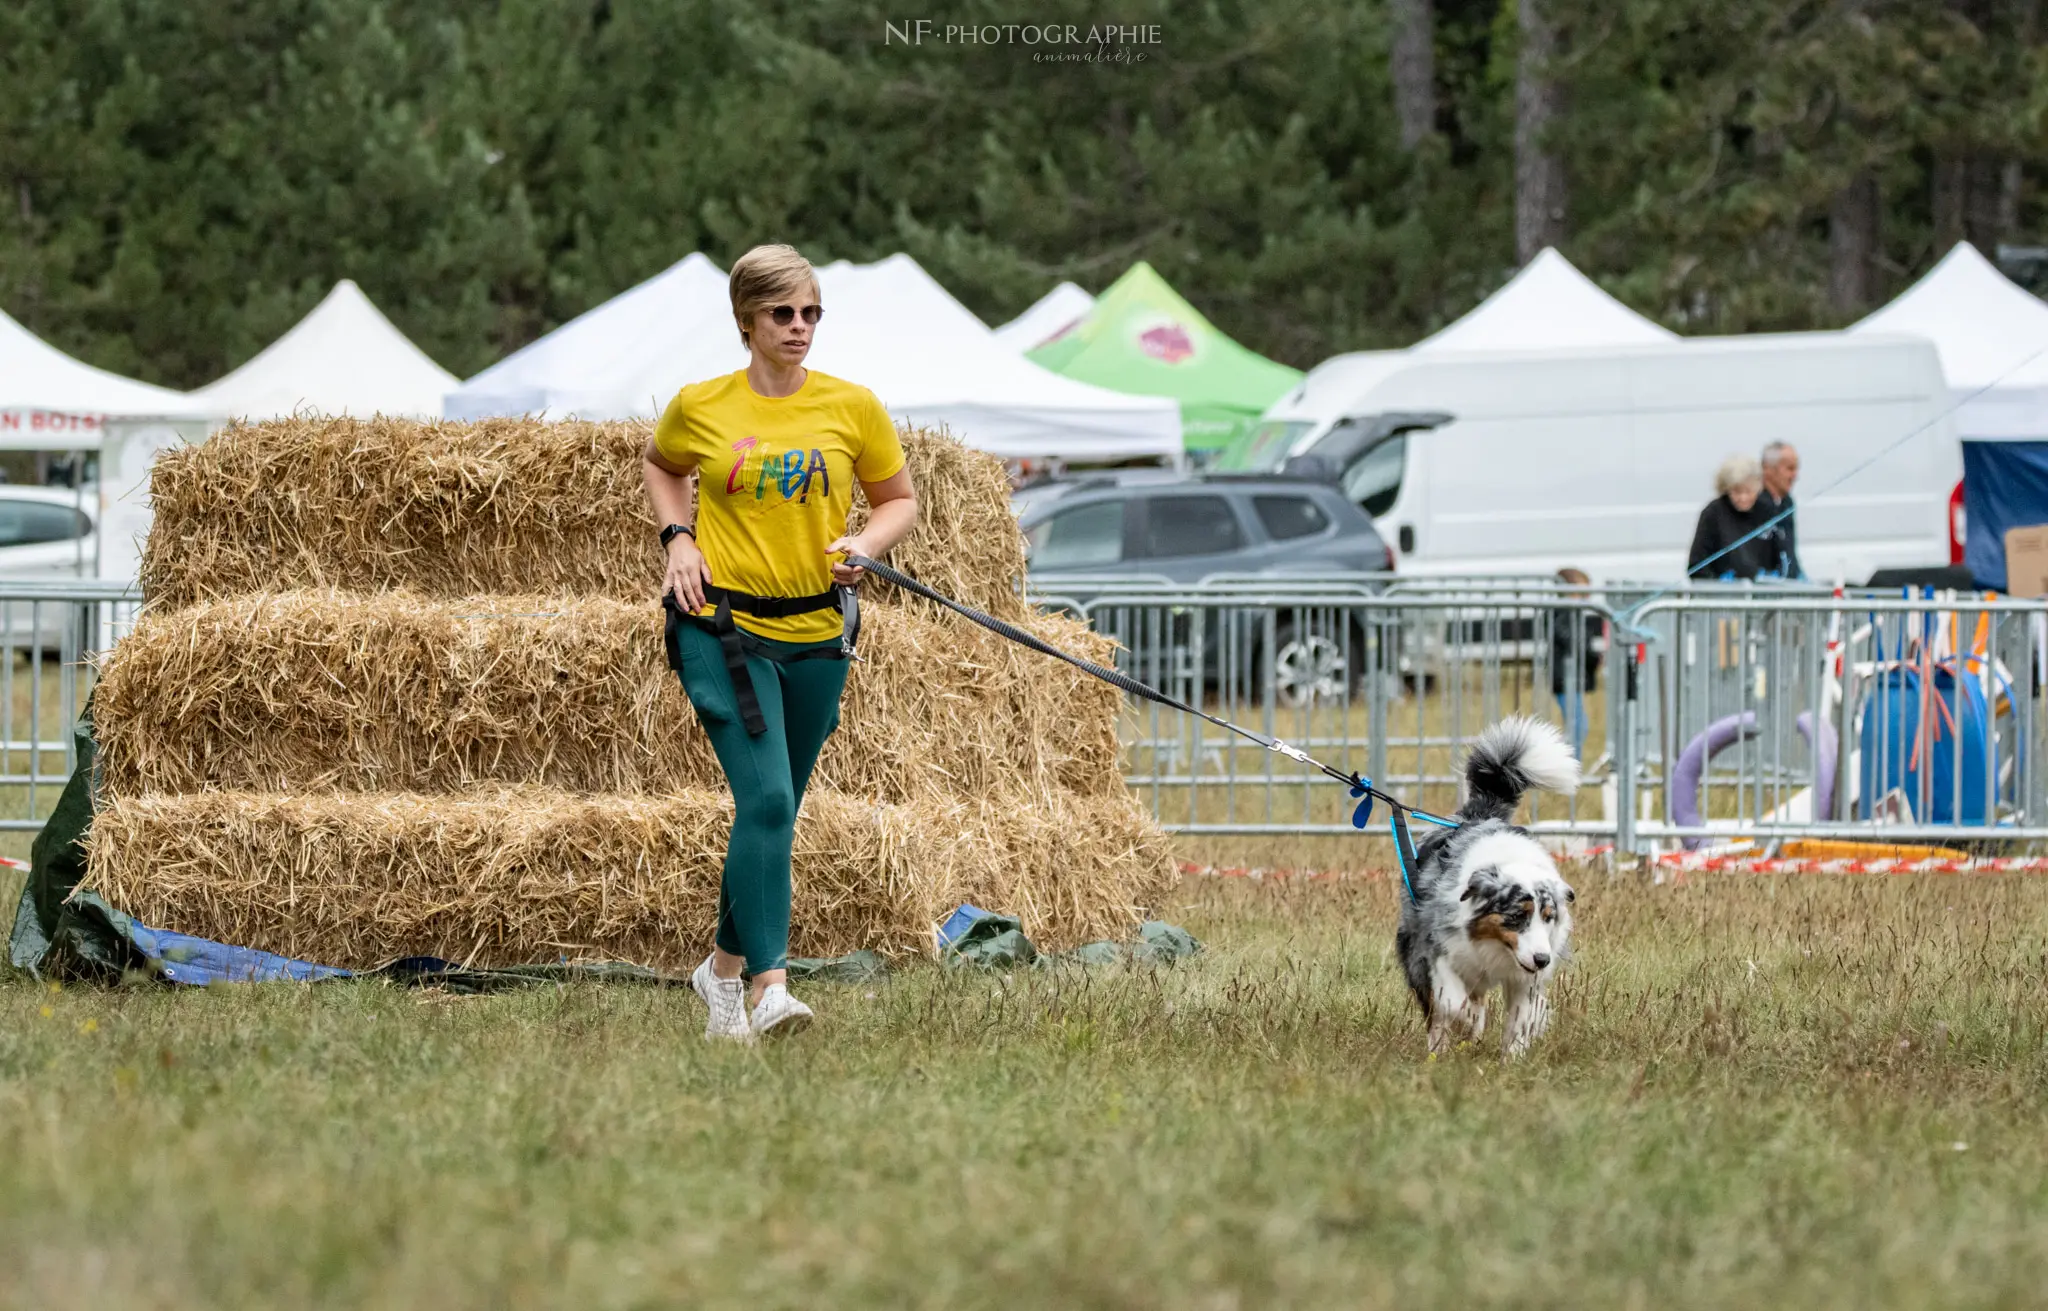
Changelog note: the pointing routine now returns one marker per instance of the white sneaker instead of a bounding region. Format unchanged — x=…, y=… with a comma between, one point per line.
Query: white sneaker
x=778, y=1014
x=727, y=999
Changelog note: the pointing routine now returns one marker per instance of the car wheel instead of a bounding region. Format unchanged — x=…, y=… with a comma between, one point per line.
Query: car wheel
x=1305, y=666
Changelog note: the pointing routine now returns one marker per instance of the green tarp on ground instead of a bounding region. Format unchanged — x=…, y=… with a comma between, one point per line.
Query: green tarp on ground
x=54, y=930
x=1142, y=338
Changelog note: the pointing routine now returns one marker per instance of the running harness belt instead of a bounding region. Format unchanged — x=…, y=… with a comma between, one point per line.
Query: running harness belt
x=737, y=643
x=1360, y=786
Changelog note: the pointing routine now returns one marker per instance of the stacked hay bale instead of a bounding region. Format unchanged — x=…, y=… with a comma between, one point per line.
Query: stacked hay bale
x=401, y=691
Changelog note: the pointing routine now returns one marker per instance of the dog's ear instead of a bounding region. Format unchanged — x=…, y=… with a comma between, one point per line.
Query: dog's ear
x=1484, y=883
x=1569, y=895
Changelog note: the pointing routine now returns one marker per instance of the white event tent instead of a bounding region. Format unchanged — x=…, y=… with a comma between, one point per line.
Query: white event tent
x=1049, y=316
x=1549, y=305
x=52, y=402
x=933, y=363
x=888, y=326
x=1992, y=337
x=344, y=357
x=580, y=369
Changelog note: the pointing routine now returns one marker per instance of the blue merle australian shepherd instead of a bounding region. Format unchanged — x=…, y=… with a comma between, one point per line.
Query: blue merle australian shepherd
x=1489, y=909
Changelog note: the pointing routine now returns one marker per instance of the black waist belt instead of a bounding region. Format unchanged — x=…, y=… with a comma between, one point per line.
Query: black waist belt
x=737, y=643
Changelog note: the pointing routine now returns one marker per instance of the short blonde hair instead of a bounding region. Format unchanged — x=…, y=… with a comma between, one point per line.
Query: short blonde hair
x=1735, y=471
x=763, y=277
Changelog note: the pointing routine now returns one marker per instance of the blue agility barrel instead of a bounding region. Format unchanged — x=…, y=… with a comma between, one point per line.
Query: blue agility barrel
x=1895, y=757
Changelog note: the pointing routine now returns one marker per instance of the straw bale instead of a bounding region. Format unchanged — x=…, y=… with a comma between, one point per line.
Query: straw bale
x=401, y=691
x=392, y=691
x=523, y=876
x=967, y=544
x=1074, y=869
x=498, y=505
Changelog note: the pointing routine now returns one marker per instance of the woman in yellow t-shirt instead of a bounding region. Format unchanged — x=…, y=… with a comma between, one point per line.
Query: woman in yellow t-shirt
x=761, y=615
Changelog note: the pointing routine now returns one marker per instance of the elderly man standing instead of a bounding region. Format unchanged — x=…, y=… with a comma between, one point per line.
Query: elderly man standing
x=1781, y=470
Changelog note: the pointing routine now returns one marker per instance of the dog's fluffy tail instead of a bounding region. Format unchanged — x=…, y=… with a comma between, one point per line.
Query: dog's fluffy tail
x=1510, y=758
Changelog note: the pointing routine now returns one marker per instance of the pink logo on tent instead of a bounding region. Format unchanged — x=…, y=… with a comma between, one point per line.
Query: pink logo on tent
x=1168, y=343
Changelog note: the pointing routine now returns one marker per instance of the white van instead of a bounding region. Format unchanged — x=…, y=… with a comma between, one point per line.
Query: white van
x=1601, y=459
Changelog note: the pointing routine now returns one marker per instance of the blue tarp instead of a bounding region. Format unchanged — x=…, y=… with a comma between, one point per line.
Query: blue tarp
x=186, y=959
x=2005, y=485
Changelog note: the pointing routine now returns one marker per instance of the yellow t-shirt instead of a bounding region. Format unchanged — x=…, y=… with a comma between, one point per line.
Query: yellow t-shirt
x=775, y=483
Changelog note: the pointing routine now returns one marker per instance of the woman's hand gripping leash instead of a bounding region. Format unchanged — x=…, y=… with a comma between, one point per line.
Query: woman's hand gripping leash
x=846, y=575
x=844, y=571
x=686, y=574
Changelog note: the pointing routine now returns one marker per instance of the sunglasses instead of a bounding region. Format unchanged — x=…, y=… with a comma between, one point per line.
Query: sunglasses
x=785, y=314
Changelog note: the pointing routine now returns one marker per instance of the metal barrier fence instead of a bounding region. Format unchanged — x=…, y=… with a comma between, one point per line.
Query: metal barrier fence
x=1721, y=713
x=1389, y=685
x=1714, y=714
x=1854, y=718
x=49, y=633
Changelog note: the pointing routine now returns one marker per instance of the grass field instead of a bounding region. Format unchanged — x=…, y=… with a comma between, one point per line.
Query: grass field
x=1793, y=1091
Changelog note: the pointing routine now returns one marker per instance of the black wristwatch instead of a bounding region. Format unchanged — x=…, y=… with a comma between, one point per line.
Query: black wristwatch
x=669, y=533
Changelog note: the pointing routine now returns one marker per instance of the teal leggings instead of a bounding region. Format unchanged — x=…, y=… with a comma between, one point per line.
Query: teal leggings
x=800, y=703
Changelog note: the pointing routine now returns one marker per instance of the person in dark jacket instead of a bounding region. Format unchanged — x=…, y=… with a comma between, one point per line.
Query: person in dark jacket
x=1780, y=469
x=1575, y=651
x=1728, y=519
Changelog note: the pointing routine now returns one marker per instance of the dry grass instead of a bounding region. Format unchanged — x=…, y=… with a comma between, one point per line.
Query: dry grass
x=1758, y=1092
x=395, y=691
x=495, y=506
x=524, y=876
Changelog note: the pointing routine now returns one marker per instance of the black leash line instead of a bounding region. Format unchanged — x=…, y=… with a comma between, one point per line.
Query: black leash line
x=1360, y=786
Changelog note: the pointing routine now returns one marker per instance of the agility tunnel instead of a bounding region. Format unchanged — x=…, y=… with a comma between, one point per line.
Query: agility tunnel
x=400, y=691
x=1691, y=767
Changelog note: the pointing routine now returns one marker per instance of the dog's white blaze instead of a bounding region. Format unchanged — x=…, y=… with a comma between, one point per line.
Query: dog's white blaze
x=1532, y=942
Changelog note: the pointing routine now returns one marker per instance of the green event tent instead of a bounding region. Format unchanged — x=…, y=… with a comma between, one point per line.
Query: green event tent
x=1141, y=337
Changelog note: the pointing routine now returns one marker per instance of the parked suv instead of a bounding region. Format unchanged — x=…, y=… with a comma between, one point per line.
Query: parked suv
x=1184, y=529
x=1082, y=529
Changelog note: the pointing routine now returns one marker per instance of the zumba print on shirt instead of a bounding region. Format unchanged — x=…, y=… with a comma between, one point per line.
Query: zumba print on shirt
x=794, y=473
x=787, y=467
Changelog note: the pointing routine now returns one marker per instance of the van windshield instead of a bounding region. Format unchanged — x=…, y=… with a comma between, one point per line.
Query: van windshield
x=1265, y=448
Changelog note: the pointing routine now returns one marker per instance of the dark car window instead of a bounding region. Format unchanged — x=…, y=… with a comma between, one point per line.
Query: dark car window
x=1373, y=482
x=1189, y=525
x=1083, y=537
x=1289, y=517
x=23, y=523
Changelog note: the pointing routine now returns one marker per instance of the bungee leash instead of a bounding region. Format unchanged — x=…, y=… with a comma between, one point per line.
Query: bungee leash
x=1361, y=787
